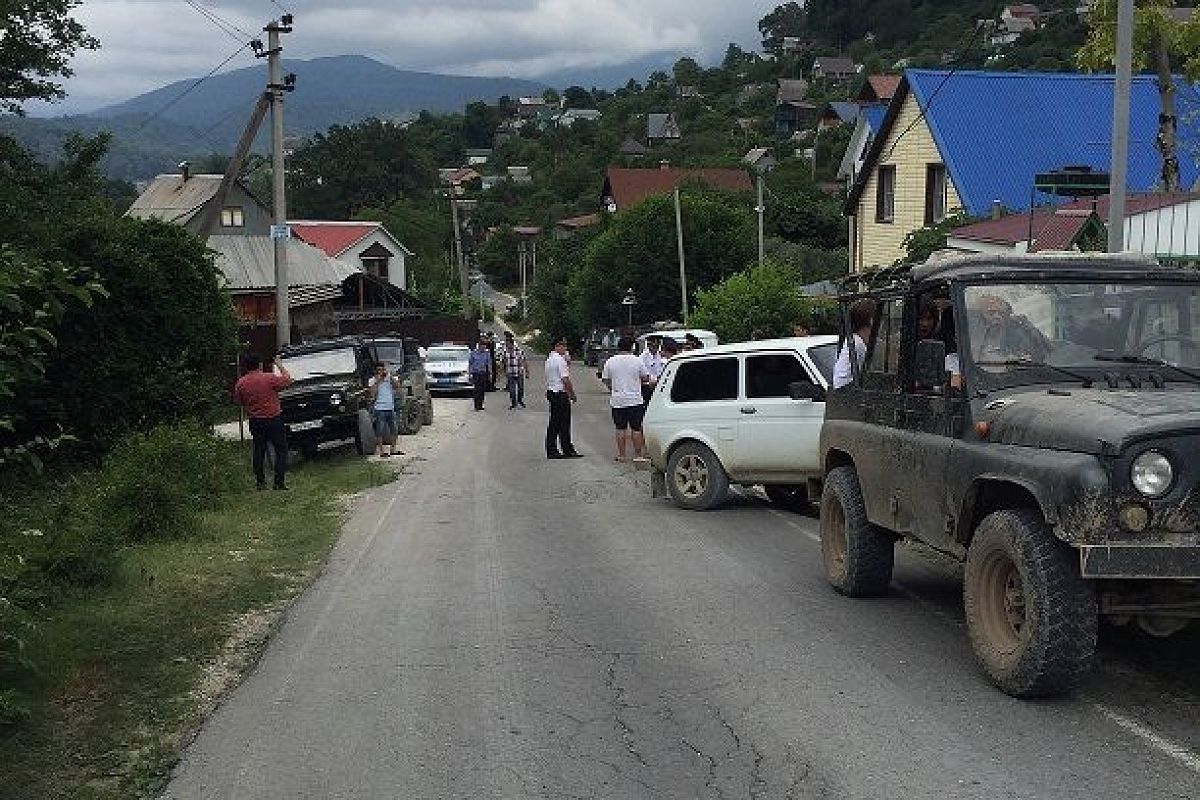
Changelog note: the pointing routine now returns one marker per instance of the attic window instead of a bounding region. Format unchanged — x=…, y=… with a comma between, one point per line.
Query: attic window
x=233, y=217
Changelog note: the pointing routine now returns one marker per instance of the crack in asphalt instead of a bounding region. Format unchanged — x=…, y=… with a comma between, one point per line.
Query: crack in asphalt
x=710, y=781
x=618, y=705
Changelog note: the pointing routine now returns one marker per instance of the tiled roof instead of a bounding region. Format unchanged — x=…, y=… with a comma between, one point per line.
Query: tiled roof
x=791, y=90
x=334, y=238
x=1055, y=227
x=629, y=186
x=996, y=130
x=835, y=64
x=883, y=86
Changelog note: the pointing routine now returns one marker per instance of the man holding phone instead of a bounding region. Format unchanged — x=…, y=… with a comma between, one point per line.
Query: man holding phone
x=257, y=391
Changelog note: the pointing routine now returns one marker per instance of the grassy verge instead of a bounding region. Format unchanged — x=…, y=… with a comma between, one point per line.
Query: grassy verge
x=125, y=668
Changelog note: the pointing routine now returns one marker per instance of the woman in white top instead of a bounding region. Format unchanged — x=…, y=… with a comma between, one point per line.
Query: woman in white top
x=862, y=315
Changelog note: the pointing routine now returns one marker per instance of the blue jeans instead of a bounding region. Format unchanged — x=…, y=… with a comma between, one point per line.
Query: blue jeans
x=516, y=390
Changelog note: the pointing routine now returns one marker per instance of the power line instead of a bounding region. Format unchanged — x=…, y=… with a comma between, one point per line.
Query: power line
x=192, y=87
x=963, y=51
x=227, y=27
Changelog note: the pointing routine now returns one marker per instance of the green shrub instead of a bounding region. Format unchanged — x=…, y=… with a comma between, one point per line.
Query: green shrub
x=154, y=484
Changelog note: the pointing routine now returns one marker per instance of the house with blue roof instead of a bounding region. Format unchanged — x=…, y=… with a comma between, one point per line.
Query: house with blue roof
x=870, y=117
x=972, y=140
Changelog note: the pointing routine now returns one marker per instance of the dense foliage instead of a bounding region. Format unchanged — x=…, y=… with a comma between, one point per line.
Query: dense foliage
x=758, y=303
x=37, y=40
x=134, y=325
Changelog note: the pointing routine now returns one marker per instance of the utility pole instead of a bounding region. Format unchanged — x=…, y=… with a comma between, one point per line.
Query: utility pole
x=760, y=209
x=1120, y=131
x=521, y=265
x=277, y=85
x=463, y=284
x=682, y=268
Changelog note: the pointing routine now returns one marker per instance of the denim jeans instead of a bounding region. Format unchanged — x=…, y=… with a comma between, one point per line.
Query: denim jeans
x=516, y=390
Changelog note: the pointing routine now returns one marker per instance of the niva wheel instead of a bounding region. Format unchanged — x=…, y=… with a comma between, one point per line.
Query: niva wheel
x=1031, y=617
x=695, y=478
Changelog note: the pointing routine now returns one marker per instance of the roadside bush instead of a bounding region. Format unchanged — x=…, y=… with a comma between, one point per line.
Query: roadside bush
x=155, y=483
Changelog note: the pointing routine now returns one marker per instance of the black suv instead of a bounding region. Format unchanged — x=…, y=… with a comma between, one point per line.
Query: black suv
x=328, y=400
x=1050, y=440
x=403, y=358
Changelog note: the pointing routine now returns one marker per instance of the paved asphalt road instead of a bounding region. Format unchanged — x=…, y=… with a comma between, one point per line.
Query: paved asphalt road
x=500, y=626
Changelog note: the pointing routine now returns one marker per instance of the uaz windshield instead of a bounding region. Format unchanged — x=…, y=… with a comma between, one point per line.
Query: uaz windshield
x=316, y=365
x=1011, y=327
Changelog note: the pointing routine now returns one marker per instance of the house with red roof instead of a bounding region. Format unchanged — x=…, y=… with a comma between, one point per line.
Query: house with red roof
x=625, y=188
x=365, y=245
x=1163, y=224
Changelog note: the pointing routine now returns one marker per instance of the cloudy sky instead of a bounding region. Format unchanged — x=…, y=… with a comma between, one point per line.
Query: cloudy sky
x=148, y=43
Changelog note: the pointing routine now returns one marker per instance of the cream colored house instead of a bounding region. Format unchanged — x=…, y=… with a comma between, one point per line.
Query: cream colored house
x=905, y=187
x=974, y=141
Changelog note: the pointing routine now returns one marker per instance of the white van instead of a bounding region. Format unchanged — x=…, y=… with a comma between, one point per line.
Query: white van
x=745, y=413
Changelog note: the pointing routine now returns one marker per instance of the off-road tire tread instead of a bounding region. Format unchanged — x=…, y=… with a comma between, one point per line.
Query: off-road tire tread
x=870, y=549
x=718, y=480
x=1056, y=662
x=410, y=419
x=427, y=412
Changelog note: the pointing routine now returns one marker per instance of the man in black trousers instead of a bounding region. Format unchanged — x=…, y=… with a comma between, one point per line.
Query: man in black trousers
x=480, y=365
x=560, y=393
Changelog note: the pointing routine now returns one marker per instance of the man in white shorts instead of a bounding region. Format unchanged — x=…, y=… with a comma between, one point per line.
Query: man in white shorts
x=624, y=374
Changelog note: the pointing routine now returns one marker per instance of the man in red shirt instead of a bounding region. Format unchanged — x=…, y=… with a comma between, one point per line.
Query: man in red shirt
x=258, y=392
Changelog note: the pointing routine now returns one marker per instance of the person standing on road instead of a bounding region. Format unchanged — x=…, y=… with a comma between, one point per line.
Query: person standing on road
x=480, y=366
x=516, y=370
x=560, y=393
x=257, y=391
x=624, y=374
x=652, y=360
x=491, y=348
x=383, y=409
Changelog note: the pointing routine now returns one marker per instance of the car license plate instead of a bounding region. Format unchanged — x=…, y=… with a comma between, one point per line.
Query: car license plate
x=305, y=426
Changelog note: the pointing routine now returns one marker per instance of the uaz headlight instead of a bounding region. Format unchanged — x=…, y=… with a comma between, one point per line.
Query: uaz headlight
x=1151, y=473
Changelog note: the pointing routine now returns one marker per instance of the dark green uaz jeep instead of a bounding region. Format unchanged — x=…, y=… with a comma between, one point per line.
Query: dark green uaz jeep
x=328, y=400
x=1038, y=418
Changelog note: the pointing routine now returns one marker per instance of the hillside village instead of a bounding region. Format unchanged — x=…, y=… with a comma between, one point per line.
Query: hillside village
x=856, y=156
x=710, y=288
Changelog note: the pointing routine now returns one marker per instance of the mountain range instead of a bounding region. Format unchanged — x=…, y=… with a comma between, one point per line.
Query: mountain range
x=154, y=131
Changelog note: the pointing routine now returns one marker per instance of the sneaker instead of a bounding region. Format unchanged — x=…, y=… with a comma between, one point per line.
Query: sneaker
x=555, y=455
x=573, y=454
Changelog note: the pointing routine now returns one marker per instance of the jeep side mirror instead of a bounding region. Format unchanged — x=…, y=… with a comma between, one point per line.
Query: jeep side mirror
x=929, y=367
x=804, y=390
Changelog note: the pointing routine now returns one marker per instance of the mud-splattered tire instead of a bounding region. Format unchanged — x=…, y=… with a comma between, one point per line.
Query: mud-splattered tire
x=695, y=478
x=427, y=412
x=409, y=419
x=1031, y=617
x=858, y=556
x=792, y=496
x=364, y=437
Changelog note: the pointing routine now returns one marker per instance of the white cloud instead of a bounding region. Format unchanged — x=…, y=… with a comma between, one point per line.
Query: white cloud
x=148, y=43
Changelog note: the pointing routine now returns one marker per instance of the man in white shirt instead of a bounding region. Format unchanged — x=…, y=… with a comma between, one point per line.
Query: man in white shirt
x=862, y=316
x=652, y=360
x=625, y=374
x=560, y=393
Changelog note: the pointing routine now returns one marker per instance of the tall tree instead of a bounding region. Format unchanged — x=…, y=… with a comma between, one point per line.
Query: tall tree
x=37, y=40
x=1162, y=43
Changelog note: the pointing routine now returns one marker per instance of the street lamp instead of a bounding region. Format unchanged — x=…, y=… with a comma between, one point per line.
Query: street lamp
x=629, y=300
